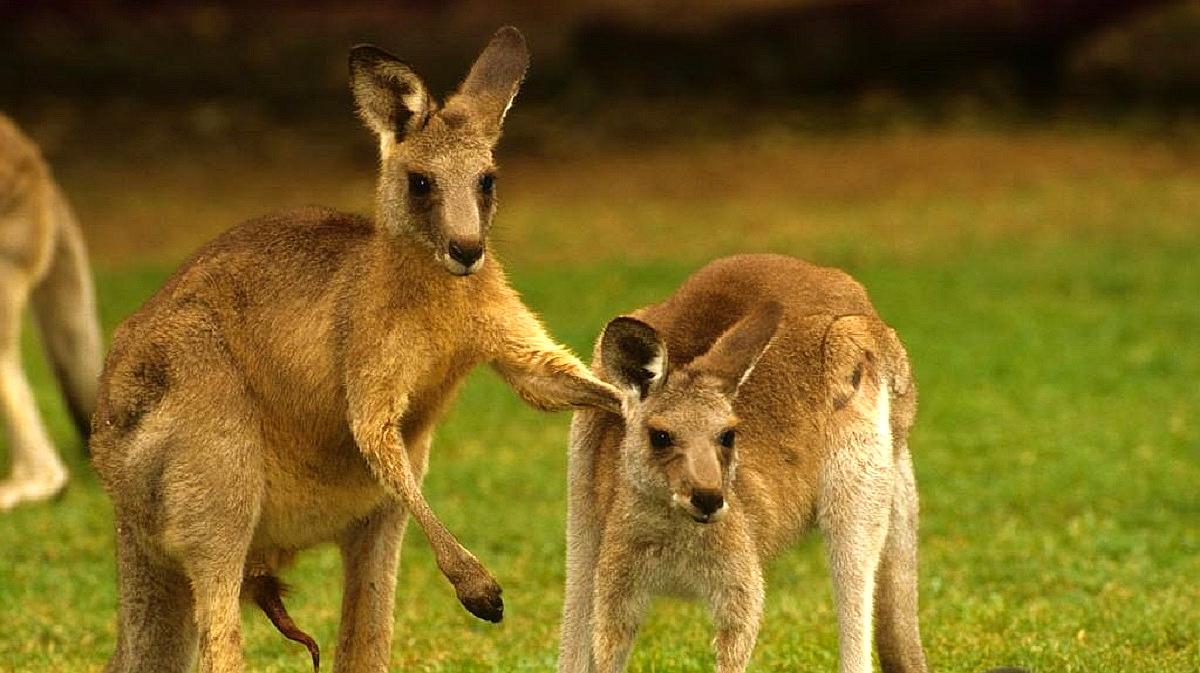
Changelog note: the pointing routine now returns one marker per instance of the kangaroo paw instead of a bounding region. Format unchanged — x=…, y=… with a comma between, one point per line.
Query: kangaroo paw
x=479, y=593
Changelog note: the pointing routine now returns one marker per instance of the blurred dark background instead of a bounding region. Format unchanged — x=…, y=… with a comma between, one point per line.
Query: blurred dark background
x=210, y=71
x=169, y=121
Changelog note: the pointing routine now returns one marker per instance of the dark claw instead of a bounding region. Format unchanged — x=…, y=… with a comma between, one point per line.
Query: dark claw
x=488, y=607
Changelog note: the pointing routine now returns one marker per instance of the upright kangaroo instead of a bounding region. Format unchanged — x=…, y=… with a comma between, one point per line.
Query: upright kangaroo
x=281, y=389
x=42, y=257
x=719, y=464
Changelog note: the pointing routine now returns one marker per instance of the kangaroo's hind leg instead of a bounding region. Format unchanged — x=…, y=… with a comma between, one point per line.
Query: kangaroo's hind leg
x=855, y=530
x=897, y=634
x=854, y=508
x=370, y=561
x=216, y=579
x=154, y=621
x=212, y=538
x=37, y=472
x=212, y=486
x=370, y=558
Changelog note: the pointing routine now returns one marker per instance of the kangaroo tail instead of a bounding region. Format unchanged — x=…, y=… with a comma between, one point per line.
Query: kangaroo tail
x=268, y=592
x=64, y=303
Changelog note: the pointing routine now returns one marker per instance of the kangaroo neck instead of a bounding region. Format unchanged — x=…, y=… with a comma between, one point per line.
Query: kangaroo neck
x=400, y=271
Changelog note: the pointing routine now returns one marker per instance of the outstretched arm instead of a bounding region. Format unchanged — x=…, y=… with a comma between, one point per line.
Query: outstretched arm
x=544, y=373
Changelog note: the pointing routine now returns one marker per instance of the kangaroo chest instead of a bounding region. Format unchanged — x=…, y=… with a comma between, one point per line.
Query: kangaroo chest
x=672, y=556
x=318, y=483
x=682, y=571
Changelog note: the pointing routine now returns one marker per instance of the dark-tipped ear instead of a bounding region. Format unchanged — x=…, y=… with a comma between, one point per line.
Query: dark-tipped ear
x=391, y=99
x=850, y=359
x=488, y=90
x=632, y=356
x=733, y=356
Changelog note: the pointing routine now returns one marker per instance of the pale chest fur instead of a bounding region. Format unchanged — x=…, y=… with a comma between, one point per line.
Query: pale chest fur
x=669, y=554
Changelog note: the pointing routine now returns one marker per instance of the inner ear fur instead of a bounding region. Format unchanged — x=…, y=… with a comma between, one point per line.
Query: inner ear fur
x=852, y=357
x=390, y=97
x=633, y=356
x=489, y=88
x=733, y=355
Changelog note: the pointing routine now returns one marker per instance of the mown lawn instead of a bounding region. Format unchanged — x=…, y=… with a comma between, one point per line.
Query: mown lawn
x=1047, y=286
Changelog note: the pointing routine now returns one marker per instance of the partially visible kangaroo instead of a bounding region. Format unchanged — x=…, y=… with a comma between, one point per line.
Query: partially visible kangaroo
x=764, y=396
x=42, y=257
x=281, y=389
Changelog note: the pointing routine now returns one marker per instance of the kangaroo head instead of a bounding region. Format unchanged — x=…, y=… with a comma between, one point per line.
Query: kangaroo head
x=680, y=426
x=437, y=178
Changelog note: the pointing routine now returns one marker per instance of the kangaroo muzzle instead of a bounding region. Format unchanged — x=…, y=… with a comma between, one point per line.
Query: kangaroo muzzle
x=703, y=506
x=463, y=258
x=704, y=499
x=463, y=229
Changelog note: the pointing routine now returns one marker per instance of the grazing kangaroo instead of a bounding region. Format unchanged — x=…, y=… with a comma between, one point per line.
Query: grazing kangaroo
x=281, y=389
x=666, y=501
x=42, y=257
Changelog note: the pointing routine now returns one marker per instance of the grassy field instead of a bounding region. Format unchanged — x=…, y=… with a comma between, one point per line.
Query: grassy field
x=1045, y=283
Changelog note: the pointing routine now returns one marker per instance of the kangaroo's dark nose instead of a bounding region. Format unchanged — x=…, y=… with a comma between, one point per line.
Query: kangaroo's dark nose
x=707, y=502
x=465, y=253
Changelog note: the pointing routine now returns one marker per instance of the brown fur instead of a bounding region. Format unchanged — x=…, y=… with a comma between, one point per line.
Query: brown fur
x=820, y=425
x=281, y=389
x=43, y=262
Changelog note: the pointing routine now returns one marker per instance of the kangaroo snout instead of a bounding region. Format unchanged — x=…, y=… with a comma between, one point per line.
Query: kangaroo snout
x=464, y=257
x=705, y=505
x=707, y=502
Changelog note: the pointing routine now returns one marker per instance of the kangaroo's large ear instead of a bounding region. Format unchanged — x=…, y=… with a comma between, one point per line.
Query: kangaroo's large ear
x=733, y=356
x=488, y=90
x=632, y=356
x=391, y=99
x=851, y=359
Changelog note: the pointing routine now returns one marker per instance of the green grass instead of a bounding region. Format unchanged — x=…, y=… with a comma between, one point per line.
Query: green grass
x=1054, y=328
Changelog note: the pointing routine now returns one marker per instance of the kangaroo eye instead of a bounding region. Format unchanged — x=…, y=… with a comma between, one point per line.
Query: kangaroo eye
x=487, y=183
x=419, y=185
x=726, y=438
x=660, y=439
